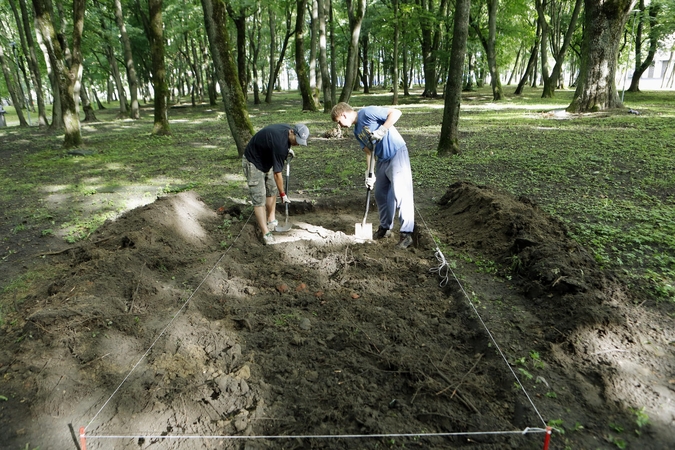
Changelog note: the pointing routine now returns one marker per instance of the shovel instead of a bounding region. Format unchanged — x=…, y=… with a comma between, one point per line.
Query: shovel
x=365, y=230
x=287, y=226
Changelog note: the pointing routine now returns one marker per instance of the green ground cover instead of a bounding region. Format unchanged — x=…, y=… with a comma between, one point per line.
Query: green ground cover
x=609, y=176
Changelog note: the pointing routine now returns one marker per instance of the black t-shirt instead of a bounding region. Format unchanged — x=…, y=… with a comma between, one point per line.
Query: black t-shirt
x=268, y=148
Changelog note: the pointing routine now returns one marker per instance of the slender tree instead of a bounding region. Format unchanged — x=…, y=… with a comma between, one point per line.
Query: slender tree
x=649, y=16
x=31, y=56
x=323, y=58
x=489, y=44
x=159, y=83
x=135, y=112
x=551, y=81
x=12, y=88
x=449, y=140
x=301, y=68
x=356, y=9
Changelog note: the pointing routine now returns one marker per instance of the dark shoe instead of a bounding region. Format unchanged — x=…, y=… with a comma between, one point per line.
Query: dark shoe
x=406, y=240
x=381, y=233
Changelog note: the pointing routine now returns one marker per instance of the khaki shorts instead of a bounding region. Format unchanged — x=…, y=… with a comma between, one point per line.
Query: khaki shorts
x=260, y=184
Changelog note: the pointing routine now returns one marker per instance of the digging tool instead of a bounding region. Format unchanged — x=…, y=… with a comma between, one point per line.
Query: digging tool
x=365, y=230
x=287, y=226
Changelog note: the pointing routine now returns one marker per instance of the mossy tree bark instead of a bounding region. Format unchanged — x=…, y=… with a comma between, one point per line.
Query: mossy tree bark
x=159, y=84
x=449, y=141
x=603, y=27
x=67, y=79
x=301, y=68
x=215, y=21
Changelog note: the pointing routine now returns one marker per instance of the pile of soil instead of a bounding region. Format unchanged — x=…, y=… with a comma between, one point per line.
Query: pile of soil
x=174, y=320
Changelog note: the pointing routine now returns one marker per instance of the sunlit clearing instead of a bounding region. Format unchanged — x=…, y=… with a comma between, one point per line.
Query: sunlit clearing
x=233, y=177
x=54, y=188
x=208, y=146
x=114, y=166
x=178, y=121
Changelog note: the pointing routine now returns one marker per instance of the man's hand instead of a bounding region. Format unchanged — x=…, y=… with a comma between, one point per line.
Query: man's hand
x=291, y=154
x=379, y=134
x=284, y=198
x=370, y=180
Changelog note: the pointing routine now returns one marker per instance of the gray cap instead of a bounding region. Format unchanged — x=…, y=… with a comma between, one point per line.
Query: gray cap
x=301, y=133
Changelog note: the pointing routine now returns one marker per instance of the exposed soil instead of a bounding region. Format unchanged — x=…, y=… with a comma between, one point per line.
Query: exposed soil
x=171, y=322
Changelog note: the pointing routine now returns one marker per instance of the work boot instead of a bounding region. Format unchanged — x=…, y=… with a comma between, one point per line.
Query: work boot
x=405, y=241
x=381, y=233
x=268, y=239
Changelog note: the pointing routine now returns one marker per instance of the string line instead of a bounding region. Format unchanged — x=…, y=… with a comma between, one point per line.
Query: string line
x=445, y=267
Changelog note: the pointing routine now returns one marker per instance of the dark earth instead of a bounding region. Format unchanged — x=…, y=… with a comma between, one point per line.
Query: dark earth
x=173, y=320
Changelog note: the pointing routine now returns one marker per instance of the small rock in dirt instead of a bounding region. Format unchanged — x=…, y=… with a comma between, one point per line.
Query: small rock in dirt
x=355, y=295
x=243, y=387
x=318, y=294
x=298, y=340
x=311, y=375
x=301, y=287
x=282, y=288
x=244, y=373
x=305, y=324
x=241, y=421
x=250, y=290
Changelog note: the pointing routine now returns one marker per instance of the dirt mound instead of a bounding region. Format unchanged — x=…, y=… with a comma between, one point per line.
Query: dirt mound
x=551, y=269
x=174, y=320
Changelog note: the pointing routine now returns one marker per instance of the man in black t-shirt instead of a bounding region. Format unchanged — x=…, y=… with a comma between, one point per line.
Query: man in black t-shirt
x=263, y=163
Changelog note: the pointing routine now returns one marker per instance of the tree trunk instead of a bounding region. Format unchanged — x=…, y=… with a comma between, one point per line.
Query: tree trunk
x=301, y=68
x=394, y=71
x=67, y=80
x=604, y=24
x=156, y=37
x=323, y=58
x=552, y=81
x=277, y=66
x=254, y=42
x=449, y=139
x=495, y=82
x=430, y=42
x=333, y=57
x=530, y=63
x=135, y=112
x=12, y=88
x=221, y=53
x=543, y=48
x=365, y=71
x=33, y=65
x=641, y=67
x=89, y=115
x=239, y=19
x=313, y=82
x=356, y=10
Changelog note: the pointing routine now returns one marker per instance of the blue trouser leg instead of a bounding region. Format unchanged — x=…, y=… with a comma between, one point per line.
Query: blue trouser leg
x=394, y=189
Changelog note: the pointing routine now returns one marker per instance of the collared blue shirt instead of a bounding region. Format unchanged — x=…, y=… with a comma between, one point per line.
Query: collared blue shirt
x=373, y=117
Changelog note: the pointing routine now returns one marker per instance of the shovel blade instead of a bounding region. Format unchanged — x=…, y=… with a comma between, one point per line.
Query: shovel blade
x=364, y=230
x=280, y=229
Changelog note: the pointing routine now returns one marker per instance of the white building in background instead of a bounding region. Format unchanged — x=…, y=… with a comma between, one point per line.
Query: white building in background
x=659, y=75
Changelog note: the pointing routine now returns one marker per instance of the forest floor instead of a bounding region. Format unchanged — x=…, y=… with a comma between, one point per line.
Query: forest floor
x=173, y=320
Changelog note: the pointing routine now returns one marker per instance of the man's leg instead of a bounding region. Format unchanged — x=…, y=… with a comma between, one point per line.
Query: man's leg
x=401, y=176
x=386, y=204
x=259, y=212
x=271, y=207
